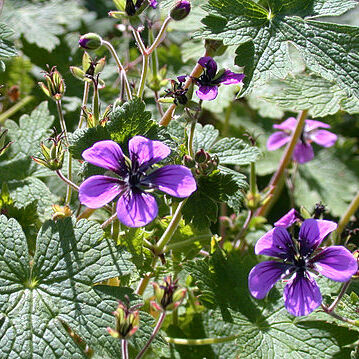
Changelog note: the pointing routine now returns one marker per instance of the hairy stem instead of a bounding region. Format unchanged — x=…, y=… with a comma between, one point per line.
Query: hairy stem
x=121, y=69
x=339, y=297
x=353, y=207
x=158, y=248
x=69, y=157
x=339, y=317
x=84, y=103
x=160, y=35
x=12, y=110
x=153, y=335
x=109, y=221
x=205, y=341
x=287, y=156
x=67, y=181
x=124, y=348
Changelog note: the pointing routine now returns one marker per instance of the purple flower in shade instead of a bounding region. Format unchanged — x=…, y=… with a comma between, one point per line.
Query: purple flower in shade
x=298, y=258
x=133, y=179
x=312, y=132
x=209, y=81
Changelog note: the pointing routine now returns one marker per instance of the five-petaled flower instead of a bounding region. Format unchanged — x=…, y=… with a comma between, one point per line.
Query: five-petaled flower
x=133, y=179
x=298, y=258
x=312, y=132
x=209, y=81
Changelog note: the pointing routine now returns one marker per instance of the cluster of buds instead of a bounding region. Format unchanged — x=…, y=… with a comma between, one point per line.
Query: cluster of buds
x=203, y=163
x=127, y=321
x=91, y=119
x=53, y=156
x=3, y=146
x=167, y=295
x=55, y=85
x=90, y=68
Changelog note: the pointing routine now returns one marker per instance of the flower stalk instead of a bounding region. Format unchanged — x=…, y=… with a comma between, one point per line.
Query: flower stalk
x=124, y=348
x=84, y=103
x=67, y=181
x=153, y=335
x=121, y=69
x=12, y=110
x=353, y=207
x=287, y=156
x=206, y=341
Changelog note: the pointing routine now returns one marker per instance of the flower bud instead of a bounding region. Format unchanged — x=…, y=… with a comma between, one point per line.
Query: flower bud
x=189, y=162
x=127, y=321
x=55, y=85
x=168, y=295
x=90, y=41
x=77, y=72
x=3, y=146
x=181, y=10
x=201, y=156
x=53, y=156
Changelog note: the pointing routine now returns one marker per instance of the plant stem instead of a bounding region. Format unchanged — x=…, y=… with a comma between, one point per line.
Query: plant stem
x=196, y=72
x=353, y=207
x=153, y=335
x=120, y=68
x=109, y=221
x=158, y=248
x=253, y=180
x=287, y=156
x=339, y=297
x=67, y=181
x=339, y=317
x=124, y=348
x=160, y=35
x=186, y=242
x=69, y=157
x=84, y=103
x=206, y=341
x=191, y=137
x=12, y=110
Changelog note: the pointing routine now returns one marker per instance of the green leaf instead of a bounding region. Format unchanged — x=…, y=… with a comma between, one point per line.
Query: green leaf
x=320, y=96
x=41, y=23
x=260, y=327
x=322, y=180
x=7, y=49
x=263, y=36
x=27, y=135
x=58, y=286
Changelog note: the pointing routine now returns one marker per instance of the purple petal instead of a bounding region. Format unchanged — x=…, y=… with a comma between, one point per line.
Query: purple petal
x=277, y=140
x=207, y=93
x=323, y=138
x=209, y=64
x=106, y=154
x=147, y=152
x=303, y=152
x=136, y=209
x=312, y=124
x=313, y=231
x=181, y=78
x=97, y=191
x=336, y=263
x=264, y=275
x=275, y=243
x=289, y=124
x=175, y=180
x=301, y=295
x=288, y=219
x=153, y=3
x=229, y=78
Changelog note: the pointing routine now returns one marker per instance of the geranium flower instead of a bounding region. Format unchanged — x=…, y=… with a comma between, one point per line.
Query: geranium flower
x=133, y=179
x=298, y=260
x=209, y=81
x=303, y=151
x=153, y=3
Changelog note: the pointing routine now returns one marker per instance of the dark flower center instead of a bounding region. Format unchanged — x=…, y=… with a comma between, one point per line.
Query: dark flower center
x=205, y=79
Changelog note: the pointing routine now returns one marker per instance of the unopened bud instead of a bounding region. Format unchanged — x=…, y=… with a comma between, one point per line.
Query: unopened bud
x=181, y=10
x=55, y=85
x=127, y=321
x=77, y=72
x=189, y=162
x=201, y=156
x=168, y=295
x=90, y=41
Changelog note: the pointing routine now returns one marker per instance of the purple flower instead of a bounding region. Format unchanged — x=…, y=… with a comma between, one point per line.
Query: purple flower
x=298, y=258
x=303, y=151
x=153, y=3
x=209, y=81
x=132, y=179
x=288, y=219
